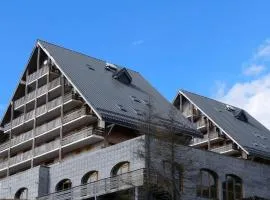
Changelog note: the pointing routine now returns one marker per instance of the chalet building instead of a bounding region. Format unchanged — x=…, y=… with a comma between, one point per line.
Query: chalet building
x=82, y=128
x=226, y=129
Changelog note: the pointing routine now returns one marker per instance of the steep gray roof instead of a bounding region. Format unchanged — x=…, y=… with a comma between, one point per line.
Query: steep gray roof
x=237, y=123
x=109, y=93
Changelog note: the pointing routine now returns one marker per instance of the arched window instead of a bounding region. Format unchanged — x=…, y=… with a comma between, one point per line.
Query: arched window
x=22, y=194
x=232, y=188
x=207, y=184
x=64, y=184
x=119, y=175
x=90, y=177
x=120, y=168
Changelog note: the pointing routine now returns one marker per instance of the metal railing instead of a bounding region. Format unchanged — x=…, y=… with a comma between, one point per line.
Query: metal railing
x=36, y=75
x=224, y=148
x=20, y=157
x=77, y=135
x=100, y=187
x=45, y=148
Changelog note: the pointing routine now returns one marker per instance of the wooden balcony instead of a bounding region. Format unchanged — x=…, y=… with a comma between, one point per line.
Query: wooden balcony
x=48, y=130
x=77, y=118
x=19, y=121
x=4, y=147
x=53, y=108
x=22, y=141
x=38, y=74
x=227, y=149
x=30, y=97
x=190, y=113
x=3, y=164
x=213, y=137
x=78, y=139
x=20, y=158
x=101, y=187
x=47, y=151
x=202, y=125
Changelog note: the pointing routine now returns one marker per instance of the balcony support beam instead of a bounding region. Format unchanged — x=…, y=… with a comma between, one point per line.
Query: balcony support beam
x=35, y=124
x=208, y=133
x=62, y=115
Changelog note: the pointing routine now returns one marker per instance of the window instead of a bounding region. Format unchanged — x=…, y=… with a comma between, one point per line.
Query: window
x=22, y=194
x=232, y=188
x=207, y=184
x=119, y=175
x=120, y=168
x=90, y=177
x=63, y=185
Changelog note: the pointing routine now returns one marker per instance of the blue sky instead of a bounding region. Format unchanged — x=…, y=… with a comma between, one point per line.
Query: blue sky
x=203, y=46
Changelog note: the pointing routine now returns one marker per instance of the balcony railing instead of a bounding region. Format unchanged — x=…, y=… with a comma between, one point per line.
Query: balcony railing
x=21, y=138
x=48, y=126
x=52, y=104
x=212, y=135
x=190, y=112
x=45, y=148
x=55, y=83
x=20, y=157
x=201, y=123
x=100, y=187
x=4, y=146
x=224, y=148
x=3, y=164
x=7, y=126
x=36, y=75
x=19, y=102
x=40, y=91
x=74, y=115
x=77, y=135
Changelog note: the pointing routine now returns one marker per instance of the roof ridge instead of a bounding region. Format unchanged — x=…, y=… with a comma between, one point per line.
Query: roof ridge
x=84, y=54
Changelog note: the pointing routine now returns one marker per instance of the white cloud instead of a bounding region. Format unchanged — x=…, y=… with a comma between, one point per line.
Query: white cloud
x=137, y=42
x=263, y=50
x=252, y=96
x=254, y=70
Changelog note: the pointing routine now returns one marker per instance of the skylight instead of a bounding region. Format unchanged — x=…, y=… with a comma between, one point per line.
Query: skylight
x=121, y=107
x=135, y=99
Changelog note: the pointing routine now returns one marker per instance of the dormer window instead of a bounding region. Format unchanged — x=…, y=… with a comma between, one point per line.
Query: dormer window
x=123, y=76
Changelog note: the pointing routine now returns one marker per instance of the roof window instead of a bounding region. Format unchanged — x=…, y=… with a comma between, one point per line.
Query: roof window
x=123, y=76
x=90, y=67
x=135, y=99
x=230, y=108
x=240, y=115
x=110, y=67
x=138, y=112
x=121, y=107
